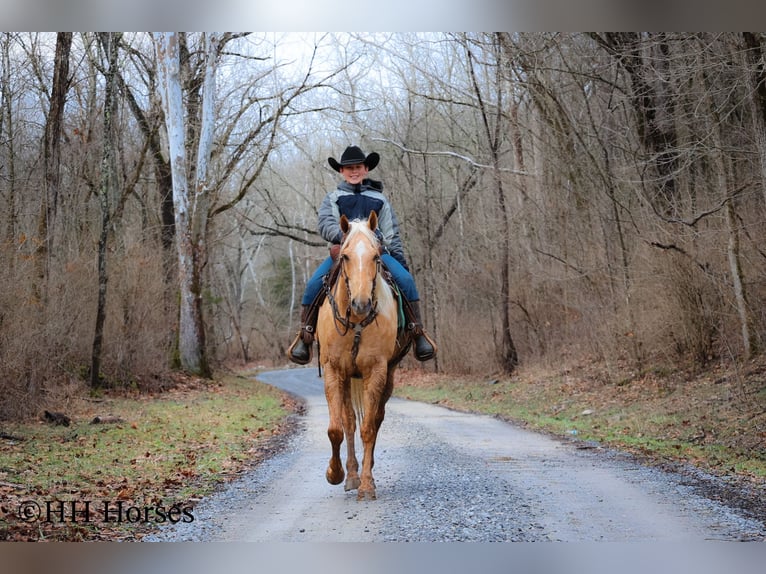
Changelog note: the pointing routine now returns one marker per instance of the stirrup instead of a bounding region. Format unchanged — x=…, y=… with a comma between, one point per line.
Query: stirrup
x=299, y=338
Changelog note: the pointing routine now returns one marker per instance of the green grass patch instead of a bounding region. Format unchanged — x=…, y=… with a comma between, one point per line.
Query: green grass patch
x=169, y=451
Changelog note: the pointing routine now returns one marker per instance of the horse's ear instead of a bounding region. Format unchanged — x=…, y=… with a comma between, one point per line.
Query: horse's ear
x=372, y=221
x=344, y=224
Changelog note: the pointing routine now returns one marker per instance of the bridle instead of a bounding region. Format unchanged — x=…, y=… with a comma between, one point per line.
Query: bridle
x=343, y=322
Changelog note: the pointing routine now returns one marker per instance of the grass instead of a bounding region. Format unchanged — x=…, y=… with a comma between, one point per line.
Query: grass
x=715, y=420
x=170, y=450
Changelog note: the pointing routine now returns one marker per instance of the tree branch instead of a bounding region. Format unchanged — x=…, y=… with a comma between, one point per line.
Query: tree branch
x=697, y=218
x=450, y=154
x=277, y=232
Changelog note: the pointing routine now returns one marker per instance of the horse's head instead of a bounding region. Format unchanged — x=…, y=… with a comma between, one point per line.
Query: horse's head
x=360, y=258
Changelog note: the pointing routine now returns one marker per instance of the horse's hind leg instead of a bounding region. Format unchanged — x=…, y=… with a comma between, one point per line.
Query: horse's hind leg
x=334, y=393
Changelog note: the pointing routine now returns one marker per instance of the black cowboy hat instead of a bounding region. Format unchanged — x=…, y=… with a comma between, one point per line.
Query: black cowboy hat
x=352, y=155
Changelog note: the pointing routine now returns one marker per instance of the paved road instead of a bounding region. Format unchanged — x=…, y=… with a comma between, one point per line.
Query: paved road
x=448, y=476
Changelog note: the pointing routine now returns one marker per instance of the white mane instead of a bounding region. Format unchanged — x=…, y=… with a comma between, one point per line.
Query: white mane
x=360, y=226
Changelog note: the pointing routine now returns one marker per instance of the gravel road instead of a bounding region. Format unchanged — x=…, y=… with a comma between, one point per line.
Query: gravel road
x=448, y=476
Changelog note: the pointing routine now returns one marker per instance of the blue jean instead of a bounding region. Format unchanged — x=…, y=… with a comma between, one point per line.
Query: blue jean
x=402, y=277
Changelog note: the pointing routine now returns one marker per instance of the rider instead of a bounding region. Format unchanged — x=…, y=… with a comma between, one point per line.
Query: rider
x=356, y=197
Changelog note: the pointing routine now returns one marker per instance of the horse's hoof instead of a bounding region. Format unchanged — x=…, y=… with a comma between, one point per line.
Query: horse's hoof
x=366, y=494
x=352, y=483
x=334, y=477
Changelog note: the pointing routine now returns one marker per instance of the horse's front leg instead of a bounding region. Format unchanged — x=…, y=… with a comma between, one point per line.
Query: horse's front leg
x=333, y=389
x=349, y=428
x=375, y=396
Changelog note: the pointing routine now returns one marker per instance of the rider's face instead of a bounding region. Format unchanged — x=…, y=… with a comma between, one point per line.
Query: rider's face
x=354, y=174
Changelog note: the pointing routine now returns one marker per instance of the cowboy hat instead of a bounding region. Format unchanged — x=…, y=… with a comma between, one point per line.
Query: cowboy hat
x=352, y=155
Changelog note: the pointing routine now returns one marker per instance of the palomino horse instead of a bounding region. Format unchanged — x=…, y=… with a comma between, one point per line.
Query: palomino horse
x=360, y=346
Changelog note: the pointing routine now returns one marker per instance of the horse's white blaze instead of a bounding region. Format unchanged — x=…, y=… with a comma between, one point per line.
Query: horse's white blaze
x=360, y=249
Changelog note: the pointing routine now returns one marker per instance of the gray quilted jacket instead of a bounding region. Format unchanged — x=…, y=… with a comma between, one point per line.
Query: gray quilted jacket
x=356, y=202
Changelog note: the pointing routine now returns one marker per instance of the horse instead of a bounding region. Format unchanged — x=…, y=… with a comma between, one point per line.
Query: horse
x=360, y=346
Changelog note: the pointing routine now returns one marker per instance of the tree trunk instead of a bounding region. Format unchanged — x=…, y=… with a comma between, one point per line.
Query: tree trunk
x=52, y=158
x=191, y=209
x=733, y=255
x=755, y=69
x=7, y=127
x=658, y=139
x=108, y=179
x=509, y=358
x=740, y=294
x=162, y=176
x=722, y=164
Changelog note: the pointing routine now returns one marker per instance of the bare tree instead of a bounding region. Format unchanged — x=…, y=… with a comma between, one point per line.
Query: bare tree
x=493, y=123
x=148, y=121
x=109, y=42
x=52, y=155
x=596, y=194
x=8, y=139
x=755, y=70
x=190, y=195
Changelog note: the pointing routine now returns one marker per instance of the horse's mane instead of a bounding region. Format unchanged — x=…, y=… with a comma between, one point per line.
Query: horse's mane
x=360, y=226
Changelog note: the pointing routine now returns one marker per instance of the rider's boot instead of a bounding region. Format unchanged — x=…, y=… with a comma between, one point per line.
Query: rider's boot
x=425, y=348
x=300, y=350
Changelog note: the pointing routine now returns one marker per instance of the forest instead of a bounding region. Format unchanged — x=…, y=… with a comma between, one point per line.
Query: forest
x=560, y=196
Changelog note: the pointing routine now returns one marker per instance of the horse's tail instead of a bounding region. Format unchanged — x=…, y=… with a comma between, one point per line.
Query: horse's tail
x=357, y=399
